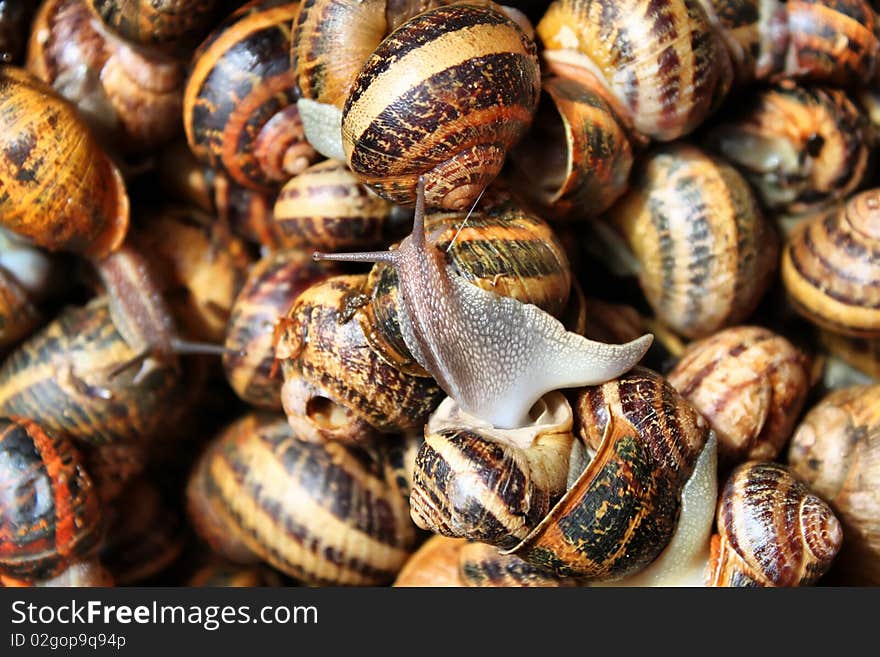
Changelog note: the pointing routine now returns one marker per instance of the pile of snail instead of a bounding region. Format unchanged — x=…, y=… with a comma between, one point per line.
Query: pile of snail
x=439, y=293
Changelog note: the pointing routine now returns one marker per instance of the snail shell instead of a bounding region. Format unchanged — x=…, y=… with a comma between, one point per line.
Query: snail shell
x=705, y=252
x=18, y=314
x=800, y=147
x=750, y=384
x=199, y=266
x=113, y=466
x=435, y=564
x=131, y=98
x=59, y=188
x=51, y=515
x=239, y=101
x=445, y=96
x=320, y=512
x=484, y=565
x=861, y=353
x=160, y=23
x=335, y=385
x=623, y=508
x=831, y=267
x=576, y=159
x=268, y=293
x=836, y=451
x=325, y=207
x=772, y=530
x=78, y=376
x=661, y=65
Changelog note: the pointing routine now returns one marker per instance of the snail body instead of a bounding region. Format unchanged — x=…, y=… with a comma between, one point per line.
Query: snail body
x=831, y=265
x=772, y=530
x=81, y=205
x=494, y=355
x=51, y=517
x=239, y=101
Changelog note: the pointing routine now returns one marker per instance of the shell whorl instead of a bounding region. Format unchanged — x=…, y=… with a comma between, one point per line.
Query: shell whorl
x=494, y=355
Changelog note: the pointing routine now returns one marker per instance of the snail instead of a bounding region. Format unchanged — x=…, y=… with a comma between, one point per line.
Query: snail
x=750, y=384
x=772, y=530
x=59, y=188
x=831, y=265
x=325, y=207
x=434, y=564
x=272, y=285
x=444, y=96
x=167, y=24
x=199, y=267
x=51, y=515
x=28, y=277
x=130, y=97
x=704, y=252
x=239, y=109
x=335, y=385
x=323, y=513
x=494, y=355
x=835, y=451
x=802, y=148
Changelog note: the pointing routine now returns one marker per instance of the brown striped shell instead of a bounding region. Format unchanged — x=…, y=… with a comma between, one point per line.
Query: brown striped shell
x=50, y=515
x=836, y=451
x=79, y=376
x=622, y=509
x=750, y=384
x=145, y=534
x=503, y=248
x=160, y=23
x=705, y=252
x=240, y=98
x=131, y=98
x=434, y=564
x=271, y=287
x=326, y=208
x=58, y=187
x=831, y=267
x=335, y=385
x=19, y=316
x=660, y=64
x=445, y=96
x=323, y=513
x=831, y=42
x=772, y=530
x=576, y=159
x=484, y=565
x=199, y=267
x=492, y=485
x=800, y=147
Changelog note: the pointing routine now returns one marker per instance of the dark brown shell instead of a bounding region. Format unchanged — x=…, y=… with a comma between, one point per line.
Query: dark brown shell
x=705, y=252
x=170, y=24
x=335, y=385
x=831, y=267
x=18, y=314
x=268, y=293
x=662, y=65
x=50, y=516
x=800, y=147
x=750, y=384
x=113, y=466
x=474, y=96
x=772, y=530
x=322, y=513
x=836, y=451
x=59, y=188
x=220, y=573
x=131, y=98
x=80, y=377
x=239, y=108
x=623, y=508
x=485, y=566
